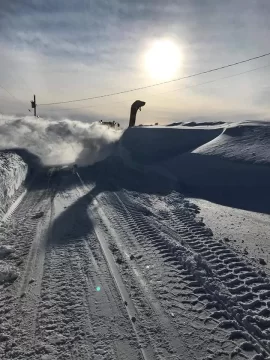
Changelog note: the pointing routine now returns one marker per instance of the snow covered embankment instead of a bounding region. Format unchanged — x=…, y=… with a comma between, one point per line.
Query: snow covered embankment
x=13, y=171
x=149, y=145
x=228, y=164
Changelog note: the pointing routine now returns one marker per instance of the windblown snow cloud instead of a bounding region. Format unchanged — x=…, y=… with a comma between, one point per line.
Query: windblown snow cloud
x=59, y=142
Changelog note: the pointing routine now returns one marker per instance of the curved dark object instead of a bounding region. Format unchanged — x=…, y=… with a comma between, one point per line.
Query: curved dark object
x=133, y=111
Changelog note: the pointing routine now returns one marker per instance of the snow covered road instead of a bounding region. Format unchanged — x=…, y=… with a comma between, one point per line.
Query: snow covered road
x=96, y=271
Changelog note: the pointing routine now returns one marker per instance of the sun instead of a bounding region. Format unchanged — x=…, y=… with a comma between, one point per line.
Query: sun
x=163, y=59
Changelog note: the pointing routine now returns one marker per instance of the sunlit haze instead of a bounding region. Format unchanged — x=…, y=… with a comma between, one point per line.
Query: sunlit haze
x=77, y=49
x=163, y=59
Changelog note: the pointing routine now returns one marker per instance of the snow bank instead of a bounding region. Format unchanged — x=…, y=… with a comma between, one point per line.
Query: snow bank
x=228, y=159
x=226, y=163
x=59, y=142
x=151, y=144
x=246, y=142
x=13, y=171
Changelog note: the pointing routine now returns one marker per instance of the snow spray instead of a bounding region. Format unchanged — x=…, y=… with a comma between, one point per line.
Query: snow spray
x=59, y=142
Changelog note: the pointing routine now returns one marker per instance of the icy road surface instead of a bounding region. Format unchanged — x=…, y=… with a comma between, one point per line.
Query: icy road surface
x=93, y=270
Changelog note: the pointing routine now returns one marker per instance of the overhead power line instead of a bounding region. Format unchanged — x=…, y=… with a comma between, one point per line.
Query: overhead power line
x=14, y=97
x=215, y=80
x=18, y=80
x=158, y=84
x=25, y=83
x=165, y=92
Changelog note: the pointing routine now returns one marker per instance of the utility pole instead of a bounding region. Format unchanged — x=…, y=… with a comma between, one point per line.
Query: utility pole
x=34, y=105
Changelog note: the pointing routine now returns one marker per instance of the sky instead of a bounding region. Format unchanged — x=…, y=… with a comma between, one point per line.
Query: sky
x=73, y=49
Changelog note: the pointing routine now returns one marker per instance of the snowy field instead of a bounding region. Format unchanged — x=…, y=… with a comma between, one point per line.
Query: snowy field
x=155, y=247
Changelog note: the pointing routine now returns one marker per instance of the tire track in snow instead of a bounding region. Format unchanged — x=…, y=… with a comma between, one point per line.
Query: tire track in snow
x=75, y=320
x=150, y=333
x=167, y=343
x=177, y=290
x=60, y=322
x=239, y=289
x=69, y=318
x=145, y=348
x=248, y=288
x=21, y=296
x=174, y=253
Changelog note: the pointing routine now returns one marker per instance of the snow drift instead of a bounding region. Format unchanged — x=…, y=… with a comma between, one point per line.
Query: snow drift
x=151, y=144
x=225, y=163
x=245, y=142
x=58, y=142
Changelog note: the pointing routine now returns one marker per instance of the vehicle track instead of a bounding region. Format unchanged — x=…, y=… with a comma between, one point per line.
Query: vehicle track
x=75, y=321
x=153, y=329
x=152, y=339
x=249, y=289
x=213, y=272
x=176, y=290
x=24, y=234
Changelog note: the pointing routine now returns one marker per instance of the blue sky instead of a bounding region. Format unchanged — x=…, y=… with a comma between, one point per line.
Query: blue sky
x=64, y=50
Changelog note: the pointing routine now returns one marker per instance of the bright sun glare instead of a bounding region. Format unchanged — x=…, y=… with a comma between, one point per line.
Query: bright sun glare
x=163, y=59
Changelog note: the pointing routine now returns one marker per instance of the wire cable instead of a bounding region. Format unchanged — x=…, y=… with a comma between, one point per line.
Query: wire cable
x=21, y=81
x=165, y=92
x=158, y=84
x=25, y=84
x=14, y=97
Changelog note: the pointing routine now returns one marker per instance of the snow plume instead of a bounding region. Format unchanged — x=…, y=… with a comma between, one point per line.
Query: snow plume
x=59, y=142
